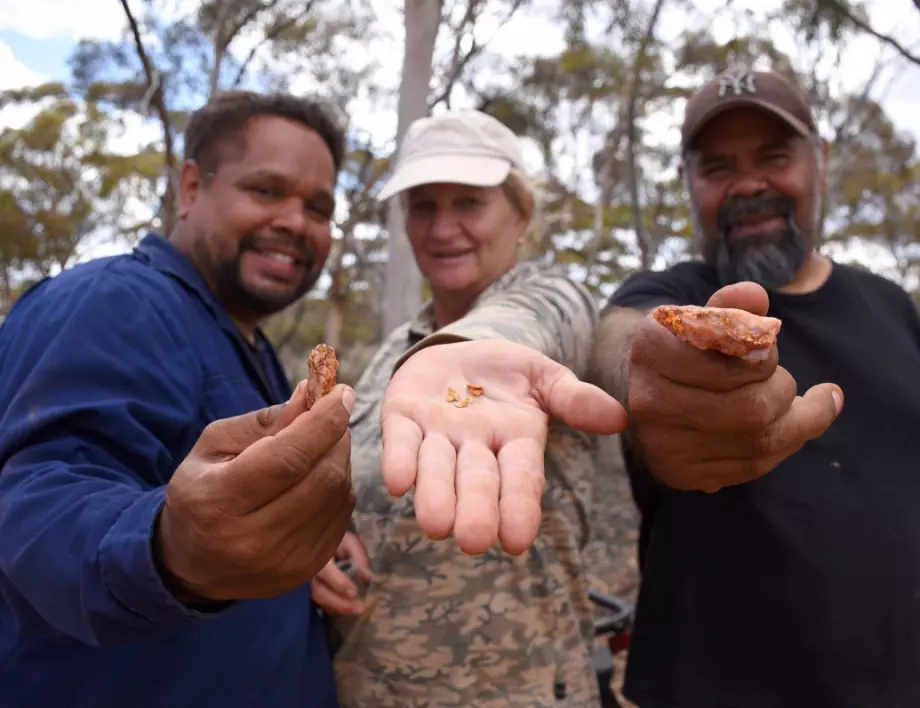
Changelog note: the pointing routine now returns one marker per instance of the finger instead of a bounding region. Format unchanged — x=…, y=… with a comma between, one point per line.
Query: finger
x=272, y=465
x=520, y=464
x=314, y=540
x=656, y=350
x=478, y=490
x=399, y=459
x=751, y=408
x=334, y=602
x=291, y=538
x=327, y=483
x=354, y=550
x=337, y=581
x=742, y=296
x=230, y=436
x=435, y=489
x=744, y=458
x=809, y=417
x=581, y=405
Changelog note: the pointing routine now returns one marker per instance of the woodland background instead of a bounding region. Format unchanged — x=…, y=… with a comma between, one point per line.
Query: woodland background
x=595, y=87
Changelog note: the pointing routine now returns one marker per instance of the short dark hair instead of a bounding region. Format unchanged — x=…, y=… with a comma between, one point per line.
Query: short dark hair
x=213, y=128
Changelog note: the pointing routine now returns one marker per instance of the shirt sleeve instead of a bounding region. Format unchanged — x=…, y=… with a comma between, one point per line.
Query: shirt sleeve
x=97, y=393
x=545, y=311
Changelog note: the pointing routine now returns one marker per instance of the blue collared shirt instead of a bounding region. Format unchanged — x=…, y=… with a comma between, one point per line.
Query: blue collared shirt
x=109, y=372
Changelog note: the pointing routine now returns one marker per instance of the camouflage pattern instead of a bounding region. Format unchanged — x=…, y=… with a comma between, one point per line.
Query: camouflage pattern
x=446, y=629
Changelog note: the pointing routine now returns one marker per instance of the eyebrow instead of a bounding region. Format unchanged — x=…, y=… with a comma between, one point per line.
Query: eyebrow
x=778, y=143
x=276, y=178
x=774, y=144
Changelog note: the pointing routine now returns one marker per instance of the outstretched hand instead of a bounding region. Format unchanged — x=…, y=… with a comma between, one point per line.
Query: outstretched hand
x=477, y=470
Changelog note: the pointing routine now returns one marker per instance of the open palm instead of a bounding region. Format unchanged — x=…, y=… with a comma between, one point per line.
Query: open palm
x=477, y=462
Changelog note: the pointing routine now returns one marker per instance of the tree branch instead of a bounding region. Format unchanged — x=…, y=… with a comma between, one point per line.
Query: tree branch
x=270, y=36
x=459, y=61
x=158, y=101
x=641, y=238
x=845, y=12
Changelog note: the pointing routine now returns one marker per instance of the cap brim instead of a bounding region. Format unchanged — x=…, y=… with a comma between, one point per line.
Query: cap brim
x=474, y=170
x=716, y=110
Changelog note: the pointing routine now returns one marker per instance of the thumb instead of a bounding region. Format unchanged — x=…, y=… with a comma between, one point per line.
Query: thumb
x=230, y=436
x=581, y=405
x=750, y=297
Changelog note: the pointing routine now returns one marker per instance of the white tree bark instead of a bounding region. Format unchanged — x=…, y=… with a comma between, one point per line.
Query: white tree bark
x=403, y=291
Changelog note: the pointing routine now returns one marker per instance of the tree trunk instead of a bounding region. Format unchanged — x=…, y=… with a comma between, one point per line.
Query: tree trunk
x=335, y=318
x=642, y=239
x=403, y=292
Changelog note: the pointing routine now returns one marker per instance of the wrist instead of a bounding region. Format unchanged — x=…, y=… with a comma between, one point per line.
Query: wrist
x=182, y=591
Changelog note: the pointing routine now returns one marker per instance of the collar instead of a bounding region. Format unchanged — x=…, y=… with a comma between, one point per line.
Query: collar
x=422, y=324
x=166, y=258
x=161, y=254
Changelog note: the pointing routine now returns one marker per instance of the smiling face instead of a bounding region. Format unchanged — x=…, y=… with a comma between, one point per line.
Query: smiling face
x=756, y=190
x=464, y=238
x=259, y=228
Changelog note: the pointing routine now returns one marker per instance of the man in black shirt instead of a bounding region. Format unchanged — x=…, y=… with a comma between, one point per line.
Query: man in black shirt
x=780, y=537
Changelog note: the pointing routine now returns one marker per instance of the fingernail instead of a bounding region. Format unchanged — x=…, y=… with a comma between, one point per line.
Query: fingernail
x=838, y=401
x=352, y=591
x=348, y=399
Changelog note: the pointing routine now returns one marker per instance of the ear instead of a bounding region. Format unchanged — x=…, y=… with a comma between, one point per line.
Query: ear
x=190, y=184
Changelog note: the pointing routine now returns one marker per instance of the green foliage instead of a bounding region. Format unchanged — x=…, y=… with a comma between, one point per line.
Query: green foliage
x=63, y=182
x=60, y=182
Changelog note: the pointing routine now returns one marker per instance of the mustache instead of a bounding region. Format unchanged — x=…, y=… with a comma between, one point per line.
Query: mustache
x=737, y=209
x=255, y=242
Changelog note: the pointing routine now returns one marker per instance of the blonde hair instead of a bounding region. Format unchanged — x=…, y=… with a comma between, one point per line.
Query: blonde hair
x=520, y=193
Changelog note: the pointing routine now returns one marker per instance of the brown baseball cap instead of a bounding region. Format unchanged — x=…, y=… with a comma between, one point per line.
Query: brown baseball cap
x=733, y=88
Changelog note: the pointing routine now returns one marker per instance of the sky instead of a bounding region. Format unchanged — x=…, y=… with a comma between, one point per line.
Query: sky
x=38, y=36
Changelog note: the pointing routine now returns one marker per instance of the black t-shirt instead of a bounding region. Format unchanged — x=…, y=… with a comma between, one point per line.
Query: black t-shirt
x=801, y=588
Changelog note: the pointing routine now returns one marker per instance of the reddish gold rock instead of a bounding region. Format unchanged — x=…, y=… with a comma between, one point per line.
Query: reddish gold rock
x=732, y=332
x=322, y=368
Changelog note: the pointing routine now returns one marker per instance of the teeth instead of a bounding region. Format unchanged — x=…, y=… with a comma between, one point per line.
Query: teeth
x=282, y=257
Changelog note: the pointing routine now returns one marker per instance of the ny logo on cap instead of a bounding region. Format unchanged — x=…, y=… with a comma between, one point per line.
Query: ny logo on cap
x=738, y=81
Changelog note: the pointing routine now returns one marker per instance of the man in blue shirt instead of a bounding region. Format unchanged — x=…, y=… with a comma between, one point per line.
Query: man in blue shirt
x=157, y=536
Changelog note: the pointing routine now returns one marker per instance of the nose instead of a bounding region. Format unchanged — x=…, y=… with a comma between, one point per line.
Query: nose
x=748, y=183
x=291, y=218
x=444, y=225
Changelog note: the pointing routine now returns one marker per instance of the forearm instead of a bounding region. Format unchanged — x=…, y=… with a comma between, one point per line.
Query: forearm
x=609, y=367
x=549, y=314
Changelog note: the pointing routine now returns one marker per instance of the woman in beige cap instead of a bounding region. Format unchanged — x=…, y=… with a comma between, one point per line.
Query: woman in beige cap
x=435, y=626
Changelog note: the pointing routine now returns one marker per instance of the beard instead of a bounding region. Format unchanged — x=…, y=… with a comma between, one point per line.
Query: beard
x=235, y=293
x=770, y=259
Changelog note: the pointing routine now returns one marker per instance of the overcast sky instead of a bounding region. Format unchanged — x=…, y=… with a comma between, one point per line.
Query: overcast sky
x=37, y=37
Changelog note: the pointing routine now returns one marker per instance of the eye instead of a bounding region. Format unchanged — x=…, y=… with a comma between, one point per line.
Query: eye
x=714, y=170
x=264, y=192
x=421, y=208
x=775, y=158
x=467, y=202
x=322, y=210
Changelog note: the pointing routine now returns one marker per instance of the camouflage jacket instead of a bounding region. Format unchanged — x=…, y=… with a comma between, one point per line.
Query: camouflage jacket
x=443, y=628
